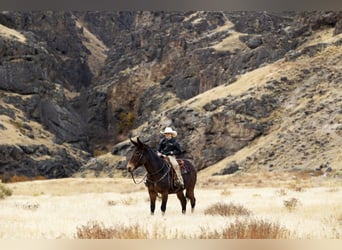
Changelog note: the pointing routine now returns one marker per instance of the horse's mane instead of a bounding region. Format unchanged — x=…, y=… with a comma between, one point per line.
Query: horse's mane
x=153, y=152
x=146, y=147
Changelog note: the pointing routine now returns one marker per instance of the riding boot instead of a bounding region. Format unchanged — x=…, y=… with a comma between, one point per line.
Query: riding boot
x=180, y=181
x=177, y=168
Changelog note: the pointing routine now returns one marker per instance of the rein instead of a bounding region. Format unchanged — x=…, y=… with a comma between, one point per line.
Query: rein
x=161, y=178
x=145, y=176
x=141, y=179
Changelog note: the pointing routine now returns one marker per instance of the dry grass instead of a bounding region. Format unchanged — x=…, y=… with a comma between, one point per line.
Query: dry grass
x=339, y=218
x=4, y=191
x=72, y=186
x=226, y=192
x=19, y=178
x=95, y=208
x=33, y=206
x=291, y=204
x=11, y=34
x=239, y=229
x=230, y=43
x=281, y=192
x=249, y=229
x=96, y=230
x=95, y=46
x=226, y=209
x=334, y=189
x=296, y=181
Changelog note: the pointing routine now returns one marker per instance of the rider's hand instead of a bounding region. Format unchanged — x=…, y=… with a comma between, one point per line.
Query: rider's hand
x=159, y=154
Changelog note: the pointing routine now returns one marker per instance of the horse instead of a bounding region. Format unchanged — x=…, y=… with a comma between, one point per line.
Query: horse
x=160, y=176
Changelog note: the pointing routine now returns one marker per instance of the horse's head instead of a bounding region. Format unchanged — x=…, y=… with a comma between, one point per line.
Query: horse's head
x=137, y=159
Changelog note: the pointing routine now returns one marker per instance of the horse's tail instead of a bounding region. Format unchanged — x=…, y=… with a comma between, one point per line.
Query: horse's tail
x=191, y=182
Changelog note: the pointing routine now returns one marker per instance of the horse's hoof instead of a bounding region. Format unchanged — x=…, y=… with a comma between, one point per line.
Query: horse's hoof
x=183, y=211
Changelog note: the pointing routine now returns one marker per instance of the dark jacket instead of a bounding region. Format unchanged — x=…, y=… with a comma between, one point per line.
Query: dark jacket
x=169, y=147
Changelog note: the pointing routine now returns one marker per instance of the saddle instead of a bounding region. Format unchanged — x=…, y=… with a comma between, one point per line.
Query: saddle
x=174, y=178
x=181, y=164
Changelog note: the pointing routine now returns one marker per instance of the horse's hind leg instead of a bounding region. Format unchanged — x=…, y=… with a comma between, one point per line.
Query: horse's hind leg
x=190, y=194
x=182, y=200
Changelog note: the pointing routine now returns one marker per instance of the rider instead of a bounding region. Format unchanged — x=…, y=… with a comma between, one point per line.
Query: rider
x=170, y=147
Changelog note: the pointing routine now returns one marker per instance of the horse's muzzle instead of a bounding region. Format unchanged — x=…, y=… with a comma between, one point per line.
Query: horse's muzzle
x=130, y=167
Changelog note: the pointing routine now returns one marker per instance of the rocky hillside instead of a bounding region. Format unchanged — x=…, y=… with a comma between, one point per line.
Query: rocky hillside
x=245, y=90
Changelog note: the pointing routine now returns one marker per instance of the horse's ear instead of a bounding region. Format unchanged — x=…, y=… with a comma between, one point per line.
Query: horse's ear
x=139, y=142
x=134, y=143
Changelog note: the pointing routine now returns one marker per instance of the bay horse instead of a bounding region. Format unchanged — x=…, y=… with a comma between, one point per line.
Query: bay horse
x=160, y=176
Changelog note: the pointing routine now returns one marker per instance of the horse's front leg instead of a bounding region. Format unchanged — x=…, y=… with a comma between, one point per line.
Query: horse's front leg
x=164, y=201
x=153, y=196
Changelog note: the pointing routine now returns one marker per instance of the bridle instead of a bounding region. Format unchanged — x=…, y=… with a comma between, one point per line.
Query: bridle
x=135, y=182
x=157, y=172
x=132, y=172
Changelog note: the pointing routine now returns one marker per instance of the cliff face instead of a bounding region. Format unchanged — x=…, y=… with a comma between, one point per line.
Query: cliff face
x=43, y=68
x=248, y=87
x=176, y=56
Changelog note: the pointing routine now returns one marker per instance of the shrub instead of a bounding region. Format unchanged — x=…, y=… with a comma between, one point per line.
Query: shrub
x=20, y=178
x=248, y=229
x=291, y=204
x=112, y=203
x=19, y=125
x=126, y=121
x=4, y=191
x=339, y=219
x=245, y=229
x=226, y=192
x=226, y=209
x=30, y=206
x=281, y=192
x=96, y=230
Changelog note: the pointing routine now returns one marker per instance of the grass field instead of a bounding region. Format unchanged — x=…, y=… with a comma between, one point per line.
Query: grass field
x=227, y=207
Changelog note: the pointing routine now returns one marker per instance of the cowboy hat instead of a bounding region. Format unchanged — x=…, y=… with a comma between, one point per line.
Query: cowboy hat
x=169, y=130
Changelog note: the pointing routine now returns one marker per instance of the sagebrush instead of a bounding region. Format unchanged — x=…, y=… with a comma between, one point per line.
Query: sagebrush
x=4, y=191
x=224, y=209
x=248, y=229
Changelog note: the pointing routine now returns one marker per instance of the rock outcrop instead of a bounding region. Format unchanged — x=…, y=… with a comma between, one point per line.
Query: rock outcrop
x=263, y=83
